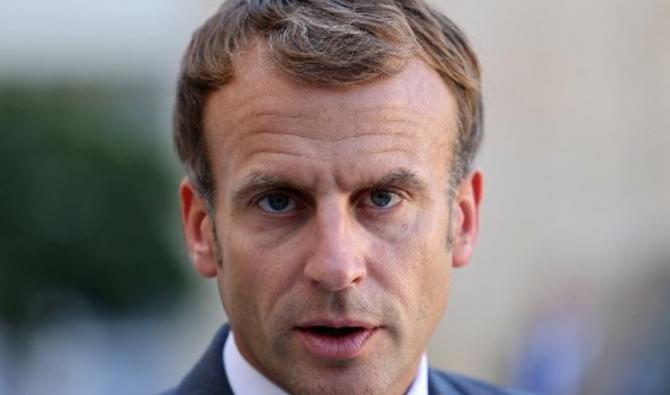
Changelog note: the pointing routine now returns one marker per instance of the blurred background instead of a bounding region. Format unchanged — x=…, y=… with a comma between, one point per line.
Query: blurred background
x=569, y=289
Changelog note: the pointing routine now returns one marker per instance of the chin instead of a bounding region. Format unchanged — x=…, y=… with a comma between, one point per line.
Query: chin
x=343, y=380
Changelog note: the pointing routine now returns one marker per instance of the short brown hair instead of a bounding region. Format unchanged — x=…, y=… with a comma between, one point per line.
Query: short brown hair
x=327, y=42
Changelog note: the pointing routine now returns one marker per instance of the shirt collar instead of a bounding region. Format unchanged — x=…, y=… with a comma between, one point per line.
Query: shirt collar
x=420, y=384
x=244, y=379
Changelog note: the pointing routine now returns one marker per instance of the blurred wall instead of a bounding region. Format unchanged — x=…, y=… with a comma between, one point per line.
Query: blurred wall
x=576, y=164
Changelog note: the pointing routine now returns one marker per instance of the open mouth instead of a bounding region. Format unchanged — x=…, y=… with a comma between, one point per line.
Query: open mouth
x=334, y=332
x=331, y=342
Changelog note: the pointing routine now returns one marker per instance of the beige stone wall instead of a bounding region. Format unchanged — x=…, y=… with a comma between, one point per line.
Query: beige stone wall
x=577, y=164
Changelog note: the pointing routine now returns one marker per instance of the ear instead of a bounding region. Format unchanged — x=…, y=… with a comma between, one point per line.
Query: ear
x=466, y=218
x=198, y=231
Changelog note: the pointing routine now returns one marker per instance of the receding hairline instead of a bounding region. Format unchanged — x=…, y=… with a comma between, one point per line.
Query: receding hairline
x=384, y=34
x=254, y=61
x=424, y=100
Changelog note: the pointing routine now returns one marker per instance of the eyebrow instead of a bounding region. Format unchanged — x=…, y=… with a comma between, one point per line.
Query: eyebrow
x=401, y=176
x=256, y=182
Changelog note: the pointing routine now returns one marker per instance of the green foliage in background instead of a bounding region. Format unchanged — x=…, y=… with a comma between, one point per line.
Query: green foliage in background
x=87, y=205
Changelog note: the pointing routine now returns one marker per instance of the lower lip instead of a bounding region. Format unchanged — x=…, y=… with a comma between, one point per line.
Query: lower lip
x=336, y=347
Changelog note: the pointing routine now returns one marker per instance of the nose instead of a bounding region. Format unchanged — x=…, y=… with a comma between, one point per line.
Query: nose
x=336, y=261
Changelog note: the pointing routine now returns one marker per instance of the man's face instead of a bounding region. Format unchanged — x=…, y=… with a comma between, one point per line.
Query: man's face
x=331, y=218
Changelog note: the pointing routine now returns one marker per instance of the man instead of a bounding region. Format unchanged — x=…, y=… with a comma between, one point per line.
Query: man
x=330, y=191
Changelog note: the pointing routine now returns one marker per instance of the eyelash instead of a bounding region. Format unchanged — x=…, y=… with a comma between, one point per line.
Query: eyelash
x=300, y=202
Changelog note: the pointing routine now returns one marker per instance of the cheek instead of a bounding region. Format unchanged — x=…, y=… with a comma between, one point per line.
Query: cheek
x=435, y=286
x=436, y=268
x=254, y=279
x=431, y=291
x=422, y=269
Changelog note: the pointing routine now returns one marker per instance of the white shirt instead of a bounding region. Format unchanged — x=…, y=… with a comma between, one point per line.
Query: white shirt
x=244, y=379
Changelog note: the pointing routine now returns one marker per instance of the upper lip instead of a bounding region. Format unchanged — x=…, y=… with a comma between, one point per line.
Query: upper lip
x=338, y=323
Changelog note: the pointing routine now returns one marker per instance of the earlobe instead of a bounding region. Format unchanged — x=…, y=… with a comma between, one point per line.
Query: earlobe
x=466, y=219
x=198, y=232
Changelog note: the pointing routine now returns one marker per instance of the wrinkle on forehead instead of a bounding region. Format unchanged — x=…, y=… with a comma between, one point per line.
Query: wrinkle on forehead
x=316, y=107
x=391, y=114
x=323, y=156
x=325, y=138
x=318, y=124
x=262, y=115
x=258, y=90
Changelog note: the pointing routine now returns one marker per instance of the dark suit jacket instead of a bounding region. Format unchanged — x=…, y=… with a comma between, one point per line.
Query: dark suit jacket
x=208, y=377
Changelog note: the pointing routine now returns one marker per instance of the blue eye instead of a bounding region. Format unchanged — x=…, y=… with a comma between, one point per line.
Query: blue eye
x=277, y=203
x=380, y=198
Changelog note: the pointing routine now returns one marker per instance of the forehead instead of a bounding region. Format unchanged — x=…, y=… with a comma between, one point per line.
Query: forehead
x=257, y=80
x=261, y=109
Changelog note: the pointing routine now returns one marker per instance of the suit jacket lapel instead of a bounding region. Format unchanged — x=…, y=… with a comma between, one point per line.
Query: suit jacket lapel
x=439, y=384
x=208, y=377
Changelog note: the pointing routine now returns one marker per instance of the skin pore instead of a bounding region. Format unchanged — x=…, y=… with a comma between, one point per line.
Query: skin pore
x=332, y=217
